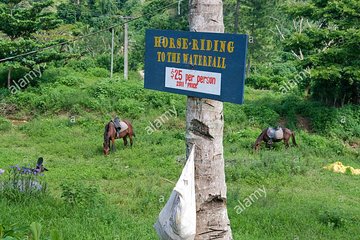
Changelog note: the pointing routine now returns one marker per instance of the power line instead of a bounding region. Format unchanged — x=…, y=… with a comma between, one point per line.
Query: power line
x=84, y=36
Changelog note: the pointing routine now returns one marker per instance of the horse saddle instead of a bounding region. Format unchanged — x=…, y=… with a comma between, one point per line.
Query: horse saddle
x=275, y=133
x=123, y=126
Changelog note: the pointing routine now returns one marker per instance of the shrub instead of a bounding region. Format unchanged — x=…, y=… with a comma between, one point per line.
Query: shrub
x=53, y=74
x=103, y=61
x=99, y=72
x=235, y=114
x=102, y=89
x=259, y=81
x=12, y=232
x=5, y=125
x=131, y=107
x=76, y=194
x=4, y=92
x=71, y=81
x=83, y=64
x=262, y=114
x=156, y=99
x=332, y=219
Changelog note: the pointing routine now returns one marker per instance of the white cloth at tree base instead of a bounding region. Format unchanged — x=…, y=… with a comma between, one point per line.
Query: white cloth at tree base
x=177, y=220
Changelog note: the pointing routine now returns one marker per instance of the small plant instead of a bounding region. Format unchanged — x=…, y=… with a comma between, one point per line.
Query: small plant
x=12, y=232
x=98, y=72
x=332, y=219
x=5, y=125
x=77, y=194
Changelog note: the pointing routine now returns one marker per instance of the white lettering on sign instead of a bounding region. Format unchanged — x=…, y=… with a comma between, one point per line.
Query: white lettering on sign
x=192, y=80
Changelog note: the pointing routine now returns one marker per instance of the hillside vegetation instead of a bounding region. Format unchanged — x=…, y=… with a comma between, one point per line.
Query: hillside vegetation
x=90, y=196
x=56, y=95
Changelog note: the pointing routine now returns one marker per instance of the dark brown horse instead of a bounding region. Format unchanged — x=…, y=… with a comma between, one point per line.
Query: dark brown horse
x=110, y=134
x=287, y=133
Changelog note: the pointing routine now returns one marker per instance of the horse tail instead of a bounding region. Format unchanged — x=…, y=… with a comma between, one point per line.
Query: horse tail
x=293, y=138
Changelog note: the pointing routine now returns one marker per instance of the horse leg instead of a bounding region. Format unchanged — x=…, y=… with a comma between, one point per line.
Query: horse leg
x=293, y=138
x=125, y=141
x=286, y=142
x=131, y=140
x=113, y=148
x=269, y=144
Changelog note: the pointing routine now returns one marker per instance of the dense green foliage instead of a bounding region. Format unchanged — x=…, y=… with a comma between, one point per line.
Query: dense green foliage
x=20, y=20
x=329, y=40
x=286, y=39
x=302, y=55
x=119, y=197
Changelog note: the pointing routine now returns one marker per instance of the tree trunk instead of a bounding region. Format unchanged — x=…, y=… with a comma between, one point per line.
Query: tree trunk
x=9, y=77
x=248, y=66
x=204, y=128
x=236, y=22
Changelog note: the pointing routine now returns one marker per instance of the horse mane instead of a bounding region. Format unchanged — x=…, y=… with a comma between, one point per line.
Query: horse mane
x=260, y=137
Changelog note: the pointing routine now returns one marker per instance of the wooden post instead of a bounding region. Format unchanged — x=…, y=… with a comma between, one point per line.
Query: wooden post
x=204, y=128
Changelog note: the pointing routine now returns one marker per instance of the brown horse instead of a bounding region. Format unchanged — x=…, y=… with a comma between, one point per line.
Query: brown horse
x=110, y=134
x=287, y=133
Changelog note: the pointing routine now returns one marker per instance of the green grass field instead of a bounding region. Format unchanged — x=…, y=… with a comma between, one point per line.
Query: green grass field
x=120, y=196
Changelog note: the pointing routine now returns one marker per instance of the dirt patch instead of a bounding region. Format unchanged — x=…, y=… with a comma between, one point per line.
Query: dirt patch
x=303, y=123
x=355, y=145
x=17, y=122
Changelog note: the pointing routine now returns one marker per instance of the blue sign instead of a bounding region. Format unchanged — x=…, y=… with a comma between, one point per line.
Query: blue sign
x=198, y=64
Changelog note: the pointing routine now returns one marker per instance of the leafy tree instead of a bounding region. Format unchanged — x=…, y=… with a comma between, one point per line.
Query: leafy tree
x=258, y=21
x=23, y=21
x=155, y=17
x=327, y=42
x=97, y=13
x=20, y=20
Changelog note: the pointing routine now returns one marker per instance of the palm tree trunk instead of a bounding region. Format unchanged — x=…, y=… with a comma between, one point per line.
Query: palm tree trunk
x=204, y=128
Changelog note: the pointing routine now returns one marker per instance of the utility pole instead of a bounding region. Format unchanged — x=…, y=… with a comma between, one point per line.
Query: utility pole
x=112, y=53
x=126, y=46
